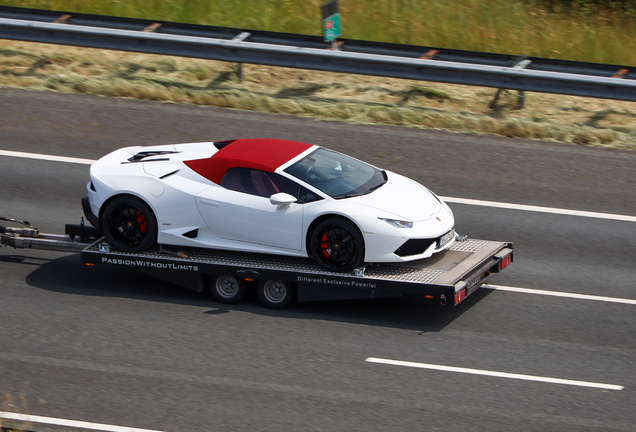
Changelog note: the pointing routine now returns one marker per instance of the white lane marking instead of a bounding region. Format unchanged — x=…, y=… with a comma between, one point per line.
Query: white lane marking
x=495, y=374
x=560, y=294
x=539, y=209
x=46, y=157
x=69, y=423
x=494, y=204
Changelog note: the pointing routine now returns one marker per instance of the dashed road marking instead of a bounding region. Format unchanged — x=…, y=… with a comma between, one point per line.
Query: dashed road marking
x=46, y=157
x=495, y=374
x=560, y=294
x=69, y=423
x=539, y=209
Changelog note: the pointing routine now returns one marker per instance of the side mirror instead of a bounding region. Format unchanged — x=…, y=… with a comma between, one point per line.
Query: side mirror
x=282, y=199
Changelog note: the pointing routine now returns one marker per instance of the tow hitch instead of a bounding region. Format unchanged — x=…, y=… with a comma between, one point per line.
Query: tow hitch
x=29, y=237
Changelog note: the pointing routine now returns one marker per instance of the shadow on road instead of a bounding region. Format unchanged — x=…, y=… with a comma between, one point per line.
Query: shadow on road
x=69, y=275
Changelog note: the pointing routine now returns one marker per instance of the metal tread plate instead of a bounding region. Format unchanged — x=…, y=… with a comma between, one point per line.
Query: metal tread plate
x=469, y=245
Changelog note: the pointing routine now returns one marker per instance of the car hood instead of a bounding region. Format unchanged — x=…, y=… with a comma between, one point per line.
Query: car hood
x=402, y=197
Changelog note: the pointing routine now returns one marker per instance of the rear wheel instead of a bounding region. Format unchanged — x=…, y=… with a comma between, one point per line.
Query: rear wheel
x=275, y=294
x=128, y=224
x=227, y=289
x=337, y=245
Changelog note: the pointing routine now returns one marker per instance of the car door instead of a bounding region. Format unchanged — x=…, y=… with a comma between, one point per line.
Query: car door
x=241, y=211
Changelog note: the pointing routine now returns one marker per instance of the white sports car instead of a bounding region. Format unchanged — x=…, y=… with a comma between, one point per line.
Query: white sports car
x=265, y=195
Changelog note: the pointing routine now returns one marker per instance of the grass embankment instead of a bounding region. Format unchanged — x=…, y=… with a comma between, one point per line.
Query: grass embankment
x=501, y=26
x=12, y=404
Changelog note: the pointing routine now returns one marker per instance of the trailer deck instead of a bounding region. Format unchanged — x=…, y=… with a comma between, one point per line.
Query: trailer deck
x=448, y=277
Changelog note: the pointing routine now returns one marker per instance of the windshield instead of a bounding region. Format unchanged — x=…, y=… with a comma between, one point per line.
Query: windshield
x=337, y=175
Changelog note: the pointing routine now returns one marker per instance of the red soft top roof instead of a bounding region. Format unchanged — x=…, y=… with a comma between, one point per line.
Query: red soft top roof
x=257, y=153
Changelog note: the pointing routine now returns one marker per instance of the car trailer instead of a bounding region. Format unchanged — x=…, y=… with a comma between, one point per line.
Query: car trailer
x=447, y=277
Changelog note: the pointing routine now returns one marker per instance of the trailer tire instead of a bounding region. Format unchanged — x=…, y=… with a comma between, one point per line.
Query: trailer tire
x=275, y=294
x=226, y=289
x=129, y=224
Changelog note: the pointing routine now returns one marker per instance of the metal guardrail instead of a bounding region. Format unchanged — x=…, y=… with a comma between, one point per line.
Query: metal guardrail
x=309, y=52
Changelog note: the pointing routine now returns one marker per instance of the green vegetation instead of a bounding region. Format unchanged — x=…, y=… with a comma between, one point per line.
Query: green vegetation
x=602, y=31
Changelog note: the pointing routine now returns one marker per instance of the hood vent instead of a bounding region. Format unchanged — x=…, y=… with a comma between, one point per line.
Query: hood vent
x=139, y=157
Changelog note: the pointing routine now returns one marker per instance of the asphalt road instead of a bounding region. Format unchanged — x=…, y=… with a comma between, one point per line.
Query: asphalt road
x=117, y=348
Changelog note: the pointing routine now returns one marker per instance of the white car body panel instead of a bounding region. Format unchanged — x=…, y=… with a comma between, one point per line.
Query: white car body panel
x=183, y=200
x=252, y=219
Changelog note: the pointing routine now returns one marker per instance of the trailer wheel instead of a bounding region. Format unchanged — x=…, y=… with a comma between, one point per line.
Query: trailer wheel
x=275, y=294
x=129, y=224
x=227, y=289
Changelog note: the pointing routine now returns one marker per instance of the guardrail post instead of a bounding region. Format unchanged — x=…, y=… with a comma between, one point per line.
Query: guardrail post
x=521, y=99
x=239, y=67
x=521, y=63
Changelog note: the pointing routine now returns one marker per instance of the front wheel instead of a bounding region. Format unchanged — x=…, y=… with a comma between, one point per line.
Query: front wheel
x=129, y=224
x=337, y=245
x=275, y=294
x=227, y=289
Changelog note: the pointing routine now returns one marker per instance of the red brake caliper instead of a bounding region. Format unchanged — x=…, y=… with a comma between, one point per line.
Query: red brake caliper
x=141, y=220
x=324, y=245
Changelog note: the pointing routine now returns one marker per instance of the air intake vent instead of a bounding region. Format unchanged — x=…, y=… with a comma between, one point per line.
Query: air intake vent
x=220, y=144
x=414, y=247
x=192, y=234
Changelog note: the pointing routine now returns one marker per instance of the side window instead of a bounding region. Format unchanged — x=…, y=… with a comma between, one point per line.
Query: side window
x=284, y=185
x=234, y=179
x=261, y=184
x=301, y=193
x=264, y=184
x=250, y=181
x=307, y=196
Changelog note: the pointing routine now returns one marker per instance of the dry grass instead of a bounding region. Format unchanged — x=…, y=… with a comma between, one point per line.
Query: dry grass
x=322, y=95
x=14, y=404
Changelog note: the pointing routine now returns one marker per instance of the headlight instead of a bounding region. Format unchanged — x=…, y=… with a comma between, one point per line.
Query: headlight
x=398, y=223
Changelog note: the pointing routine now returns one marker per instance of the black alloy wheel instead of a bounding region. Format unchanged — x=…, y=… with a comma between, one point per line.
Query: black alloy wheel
x=337, y=245
x=128, y=224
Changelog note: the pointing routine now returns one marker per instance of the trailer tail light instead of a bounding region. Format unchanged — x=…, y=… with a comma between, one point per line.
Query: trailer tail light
x=505, y=261
x=460, y=295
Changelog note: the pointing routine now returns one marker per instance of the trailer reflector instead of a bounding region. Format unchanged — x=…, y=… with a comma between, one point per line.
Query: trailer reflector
x=460, y=295
x=505, y=261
